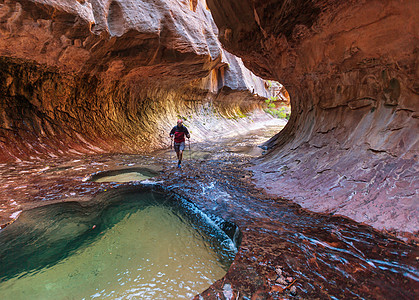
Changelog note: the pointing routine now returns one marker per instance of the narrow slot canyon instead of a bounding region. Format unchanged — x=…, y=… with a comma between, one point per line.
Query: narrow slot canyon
x=303, y=156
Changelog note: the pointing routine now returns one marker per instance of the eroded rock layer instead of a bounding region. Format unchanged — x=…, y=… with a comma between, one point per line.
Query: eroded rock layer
x=45, y=113
x=81, y=77
x=106, y=76
x=351, y=68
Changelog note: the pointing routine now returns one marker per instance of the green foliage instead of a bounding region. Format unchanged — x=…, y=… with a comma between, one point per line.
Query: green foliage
x=280, y=112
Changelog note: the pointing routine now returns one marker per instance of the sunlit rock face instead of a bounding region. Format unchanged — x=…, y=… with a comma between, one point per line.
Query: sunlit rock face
x=351, y=68
x=95, y=76
x=113, y=38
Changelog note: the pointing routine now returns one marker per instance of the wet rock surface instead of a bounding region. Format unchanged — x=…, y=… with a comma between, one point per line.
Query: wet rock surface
x=93, y=77
x=351, y=147
x=285, y=250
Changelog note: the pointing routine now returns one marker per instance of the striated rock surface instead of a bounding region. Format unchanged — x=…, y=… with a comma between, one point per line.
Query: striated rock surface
x=113, y=38
x=352, y=71
x=106, y=76
x=81, y=77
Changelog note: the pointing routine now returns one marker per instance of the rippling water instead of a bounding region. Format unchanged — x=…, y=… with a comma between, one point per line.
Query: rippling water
x=329, y=257
x=127, y=244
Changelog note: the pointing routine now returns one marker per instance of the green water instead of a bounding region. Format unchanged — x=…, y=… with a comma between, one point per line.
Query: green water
x=129, y=245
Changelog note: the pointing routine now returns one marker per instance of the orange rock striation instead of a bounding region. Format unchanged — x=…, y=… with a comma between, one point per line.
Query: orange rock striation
x=105, y=76
x=94, y=76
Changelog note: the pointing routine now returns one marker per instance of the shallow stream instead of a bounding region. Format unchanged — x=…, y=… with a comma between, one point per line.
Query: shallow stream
x=285, y=251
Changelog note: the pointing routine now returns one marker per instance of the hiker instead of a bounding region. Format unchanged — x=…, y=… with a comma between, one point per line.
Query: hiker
x=179, y=132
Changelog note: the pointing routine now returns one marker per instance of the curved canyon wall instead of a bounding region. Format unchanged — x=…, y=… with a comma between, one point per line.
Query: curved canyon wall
x=111, y=76
x=351, y=68
x=81, y=77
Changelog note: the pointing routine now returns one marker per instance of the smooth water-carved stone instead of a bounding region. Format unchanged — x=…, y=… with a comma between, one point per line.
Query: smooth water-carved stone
x=350, y=70
x=115, y=19
x=90, y=75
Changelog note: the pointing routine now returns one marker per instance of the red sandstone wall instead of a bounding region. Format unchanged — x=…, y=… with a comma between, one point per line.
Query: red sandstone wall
x=81, y=76
x=95, y=76
x=352, y=69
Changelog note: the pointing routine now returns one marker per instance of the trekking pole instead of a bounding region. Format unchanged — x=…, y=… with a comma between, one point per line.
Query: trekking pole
x=189, y=140
x=171, y=144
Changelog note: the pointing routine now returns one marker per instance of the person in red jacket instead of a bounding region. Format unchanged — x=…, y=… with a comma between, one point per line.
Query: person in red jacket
x=178, y=133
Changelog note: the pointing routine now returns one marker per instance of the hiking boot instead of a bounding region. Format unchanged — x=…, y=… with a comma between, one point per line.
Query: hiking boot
x=179, y=166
